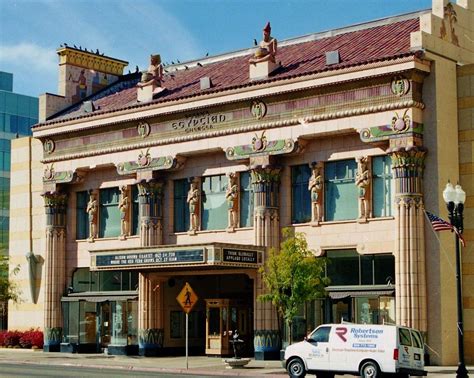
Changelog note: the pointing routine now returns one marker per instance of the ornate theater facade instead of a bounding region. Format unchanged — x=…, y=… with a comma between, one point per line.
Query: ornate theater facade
x=137, y=186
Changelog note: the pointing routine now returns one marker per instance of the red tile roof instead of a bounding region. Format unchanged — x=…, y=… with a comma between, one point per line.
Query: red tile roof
x=372, y=44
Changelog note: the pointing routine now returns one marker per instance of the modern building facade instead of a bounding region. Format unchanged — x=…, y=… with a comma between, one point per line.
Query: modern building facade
x=184, y=176
x=17, y=114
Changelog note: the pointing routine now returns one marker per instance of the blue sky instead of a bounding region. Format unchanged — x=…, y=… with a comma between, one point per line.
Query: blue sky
x=32, y=30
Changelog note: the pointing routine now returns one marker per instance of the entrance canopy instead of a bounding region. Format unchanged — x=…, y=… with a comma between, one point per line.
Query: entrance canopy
x=173, y=256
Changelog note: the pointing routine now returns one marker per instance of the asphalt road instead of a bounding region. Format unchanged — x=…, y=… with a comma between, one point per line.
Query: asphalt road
x=20, y=370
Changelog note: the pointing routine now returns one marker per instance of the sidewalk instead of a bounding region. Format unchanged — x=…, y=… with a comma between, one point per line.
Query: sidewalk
x=210, y=366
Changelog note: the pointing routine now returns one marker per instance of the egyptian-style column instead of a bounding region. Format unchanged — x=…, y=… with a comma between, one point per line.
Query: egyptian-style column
x=266, y=183
x=55, y=204
x=150, y=324
x=150, y=320
x=150, y=197
x=408, y=166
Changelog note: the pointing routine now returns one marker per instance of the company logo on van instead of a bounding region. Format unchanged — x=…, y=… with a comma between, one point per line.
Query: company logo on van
x=341, y=332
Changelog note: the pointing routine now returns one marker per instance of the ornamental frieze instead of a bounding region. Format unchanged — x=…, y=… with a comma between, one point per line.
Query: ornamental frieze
x=51, y=176
x=260, y=146
x=146, y=162
x=401, y=125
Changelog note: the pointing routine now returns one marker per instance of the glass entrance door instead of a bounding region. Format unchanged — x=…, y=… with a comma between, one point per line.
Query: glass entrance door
x=105, y=324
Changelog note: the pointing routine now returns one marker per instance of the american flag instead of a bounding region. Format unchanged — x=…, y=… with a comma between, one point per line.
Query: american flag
x=439, y=224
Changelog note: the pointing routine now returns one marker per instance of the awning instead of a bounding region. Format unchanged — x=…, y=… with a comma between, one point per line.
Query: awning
x=370, y=293
x=97, y=299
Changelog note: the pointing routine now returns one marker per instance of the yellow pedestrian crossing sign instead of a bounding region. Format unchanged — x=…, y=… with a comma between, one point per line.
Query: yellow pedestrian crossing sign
x=187, y=298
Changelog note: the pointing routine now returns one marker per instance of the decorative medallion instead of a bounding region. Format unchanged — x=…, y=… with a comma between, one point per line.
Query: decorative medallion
x=144, y=159
x=259, y=144
x=400, y=86
x=48, y=172
x=400, y=124
x=143, y=129
x=258, y=109
x=48, y=146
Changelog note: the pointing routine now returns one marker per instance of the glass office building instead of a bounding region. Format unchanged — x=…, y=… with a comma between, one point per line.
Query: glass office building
x=17, y=114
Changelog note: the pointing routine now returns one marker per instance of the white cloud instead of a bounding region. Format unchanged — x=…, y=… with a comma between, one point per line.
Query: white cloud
x=29, y=56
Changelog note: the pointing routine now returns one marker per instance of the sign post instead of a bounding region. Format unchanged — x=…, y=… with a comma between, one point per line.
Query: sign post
x=187, y=298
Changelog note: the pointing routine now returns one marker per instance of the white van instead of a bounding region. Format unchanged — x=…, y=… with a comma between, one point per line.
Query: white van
x=368, y=350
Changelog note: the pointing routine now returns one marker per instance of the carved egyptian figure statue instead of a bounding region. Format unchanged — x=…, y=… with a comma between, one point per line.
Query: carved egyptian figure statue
x=267, y=48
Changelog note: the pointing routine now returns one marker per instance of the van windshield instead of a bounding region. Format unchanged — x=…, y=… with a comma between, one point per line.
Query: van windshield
x=320, y=335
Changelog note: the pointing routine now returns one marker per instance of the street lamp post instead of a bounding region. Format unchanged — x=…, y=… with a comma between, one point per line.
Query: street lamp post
x=454, y=198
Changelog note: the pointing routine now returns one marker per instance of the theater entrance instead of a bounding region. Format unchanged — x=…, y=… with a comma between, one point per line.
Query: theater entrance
x=225, y=304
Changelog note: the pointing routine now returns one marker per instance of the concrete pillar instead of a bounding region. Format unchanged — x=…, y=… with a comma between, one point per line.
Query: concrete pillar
x=410, y=273
x=266, y=186
x=150, y=297
x=55, y=268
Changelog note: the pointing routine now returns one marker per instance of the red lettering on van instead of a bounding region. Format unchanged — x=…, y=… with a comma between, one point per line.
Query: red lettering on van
x=341, y=332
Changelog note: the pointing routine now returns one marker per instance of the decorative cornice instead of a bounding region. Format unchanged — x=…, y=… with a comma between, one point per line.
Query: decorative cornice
x=146, y=163
x=378, y=133
x=260, y=147
x=51, y=176
x=235, y=130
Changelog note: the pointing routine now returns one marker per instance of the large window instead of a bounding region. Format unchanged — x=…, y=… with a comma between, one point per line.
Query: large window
x=82, y=219
x=246, y=200
x=109, y=213
x=300, y=195
x=340, y=191
x=111, y=280
x=135, y=225
x=181, y=209
x=382, y=189
x=214, y=204
x=347, y=268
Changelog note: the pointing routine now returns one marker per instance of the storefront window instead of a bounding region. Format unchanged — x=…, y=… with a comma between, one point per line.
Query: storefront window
x=82, y=221
x=346, y=267
x=109, y=213
x=119, y=323
x=300, y=195
x=214, y=204
x=181, y=209
x=88, y=322
x=110, y=281
x=113, y=280
x=340, y=191
x=71, y=322
x=246, y=200
x=343, y=267
x=382, y=191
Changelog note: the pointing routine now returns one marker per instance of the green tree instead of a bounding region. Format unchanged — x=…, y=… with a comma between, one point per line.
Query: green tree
x=292, y=276
x=9, y=289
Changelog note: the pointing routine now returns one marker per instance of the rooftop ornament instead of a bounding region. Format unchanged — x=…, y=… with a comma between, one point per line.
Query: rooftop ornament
x=267, y=48
x=150, y=83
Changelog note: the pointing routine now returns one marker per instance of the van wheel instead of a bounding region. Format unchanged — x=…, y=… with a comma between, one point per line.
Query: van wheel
x=369, y=369
x=296, y=368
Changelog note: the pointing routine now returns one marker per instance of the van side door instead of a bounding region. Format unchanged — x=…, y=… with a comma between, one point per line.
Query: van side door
x=318, y=356
x=405, y=351
x=418, y=349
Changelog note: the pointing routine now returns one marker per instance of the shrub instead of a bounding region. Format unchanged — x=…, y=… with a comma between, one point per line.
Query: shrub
x=12, y=338
x=2, y=337
x=31, y=338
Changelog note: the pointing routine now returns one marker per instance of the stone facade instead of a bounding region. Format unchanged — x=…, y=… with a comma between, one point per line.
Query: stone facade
x=391, y=110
